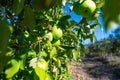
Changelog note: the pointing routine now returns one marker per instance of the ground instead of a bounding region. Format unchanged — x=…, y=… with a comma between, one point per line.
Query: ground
x=96, y=68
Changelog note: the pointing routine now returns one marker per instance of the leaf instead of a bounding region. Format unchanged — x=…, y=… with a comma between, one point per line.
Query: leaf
x=43, y=53
x=40, y=73
x=66, y=17
x=75, y=54
x=47, y=3
x=111, y=13
x=31, y=53
x=29, y=19
x=67, y=47
x=57, y=61
x=5, y=32
x=53, y=52
x=48, y=77
x=13, y=68
x=22, y=61
x=18, y=6
x=99, y=3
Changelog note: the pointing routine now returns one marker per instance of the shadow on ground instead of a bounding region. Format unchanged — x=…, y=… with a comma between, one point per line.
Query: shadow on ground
x=99, y=68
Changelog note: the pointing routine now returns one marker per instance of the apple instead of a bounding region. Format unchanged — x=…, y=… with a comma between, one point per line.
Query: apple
x=42, y=64
x=93, y=16
x=85, y=8
x=49, y=36
x=75, y=8
x=57, y=32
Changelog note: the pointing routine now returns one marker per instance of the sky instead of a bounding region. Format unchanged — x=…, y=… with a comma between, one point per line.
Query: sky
x=100, y=34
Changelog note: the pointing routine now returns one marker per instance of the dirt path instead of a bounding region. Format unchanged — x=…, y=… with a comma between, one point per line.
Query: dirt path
x=95, y=68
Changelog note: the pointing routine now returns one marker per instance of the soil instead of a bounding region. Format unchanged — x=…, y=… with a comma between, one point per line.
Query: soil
x=97, y=68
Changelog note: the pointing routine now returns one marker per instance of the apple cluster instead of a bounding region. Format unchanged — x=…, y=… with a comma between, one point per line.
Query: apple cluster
x=56, y=34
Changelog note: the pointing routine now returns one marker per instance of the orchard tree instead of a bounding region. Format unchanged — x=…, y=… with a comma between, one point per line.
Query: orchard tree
x=37, y=39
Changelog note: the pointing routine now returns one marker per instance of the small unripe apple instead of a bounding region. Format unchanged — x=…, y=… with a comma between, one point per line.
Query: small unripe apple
x=93, y=16
x=49, y=36
x=57, y=32
x=85, y=8
x=43, y=64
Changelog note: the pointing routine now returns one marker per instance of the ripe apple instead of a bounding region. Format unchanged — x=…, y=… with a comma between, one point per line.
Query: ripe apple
x=57, y=32
x=85, y=8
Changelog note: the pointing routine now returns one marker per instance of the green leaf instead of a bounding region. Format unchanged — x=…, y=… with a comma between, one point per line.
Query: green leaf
x=111, y=13
x=92, y=37
x=18, y=6
x=22, y=61
x=67, y=47
x=63, y=21
x=75, y=54
x=31, y=53
x=13, y=68
x=48, y=77
x=57, y=61
x=29, y=19
x=99, y=3
x=43, y=53
x=33, y=62
x=5, y=32
x=40, y=73
x=53, y=52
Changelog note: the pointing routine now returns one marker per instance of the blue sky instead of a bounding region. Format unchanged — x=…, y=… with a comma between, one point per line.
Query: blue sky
x=100, y=34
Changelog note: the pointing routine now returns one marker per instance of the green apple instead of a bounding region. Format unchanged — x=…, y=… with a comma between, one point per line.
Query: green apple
x=49, y=36
x=43, y=53
x=93, y=16
x=57, y=32
x=42, y=64
x=85, y=8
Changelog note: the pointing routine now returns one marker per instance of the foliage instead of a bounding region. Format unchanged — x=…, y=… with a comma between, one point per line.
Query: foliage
x=106, y=46
x=29, y=43
x=111, y=14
